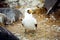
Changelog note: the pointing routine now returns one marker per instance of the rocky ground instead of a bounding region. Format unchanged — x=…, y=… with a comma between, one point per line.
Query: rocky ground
x=48, y=29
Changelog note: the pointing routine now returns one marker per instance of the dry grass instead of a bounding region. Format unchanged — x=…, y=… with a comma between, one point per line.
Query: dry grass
x=45, y=29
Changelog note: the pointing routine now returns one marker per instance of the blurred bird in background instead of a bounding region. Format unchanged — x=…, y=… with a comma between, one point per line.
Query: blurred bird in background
x=12, y=14
x=3, y=19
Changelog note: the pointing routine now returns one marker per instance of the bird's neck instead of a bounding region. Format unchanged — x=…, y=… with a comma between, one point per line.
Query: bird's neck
x=26, y=14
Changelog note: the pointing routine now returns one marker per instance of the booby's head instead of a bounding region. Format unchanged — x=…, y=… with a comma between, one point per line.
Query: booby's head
x=29, y=10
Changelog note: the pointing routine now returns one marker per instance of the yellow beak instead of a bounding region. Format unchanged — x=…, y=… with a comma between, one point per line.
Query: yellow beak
x=30, y=11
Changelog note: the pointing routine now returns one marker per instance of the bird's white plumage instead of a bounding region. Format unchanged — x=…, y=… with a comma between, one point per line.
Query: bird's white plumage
x=29, y=21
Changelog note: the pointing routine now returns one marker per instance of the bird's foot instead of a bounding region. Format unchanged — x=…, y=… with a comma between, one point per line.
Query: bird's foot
x=26, y=31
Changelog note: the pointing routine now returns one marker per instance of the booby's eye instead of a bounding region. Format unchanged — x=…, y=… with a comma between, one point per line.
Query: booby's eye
x=28, y=11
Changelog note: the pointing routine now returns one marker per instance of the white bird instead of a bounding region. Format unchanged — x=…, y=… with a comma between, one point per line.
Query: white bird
x=29, y=22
